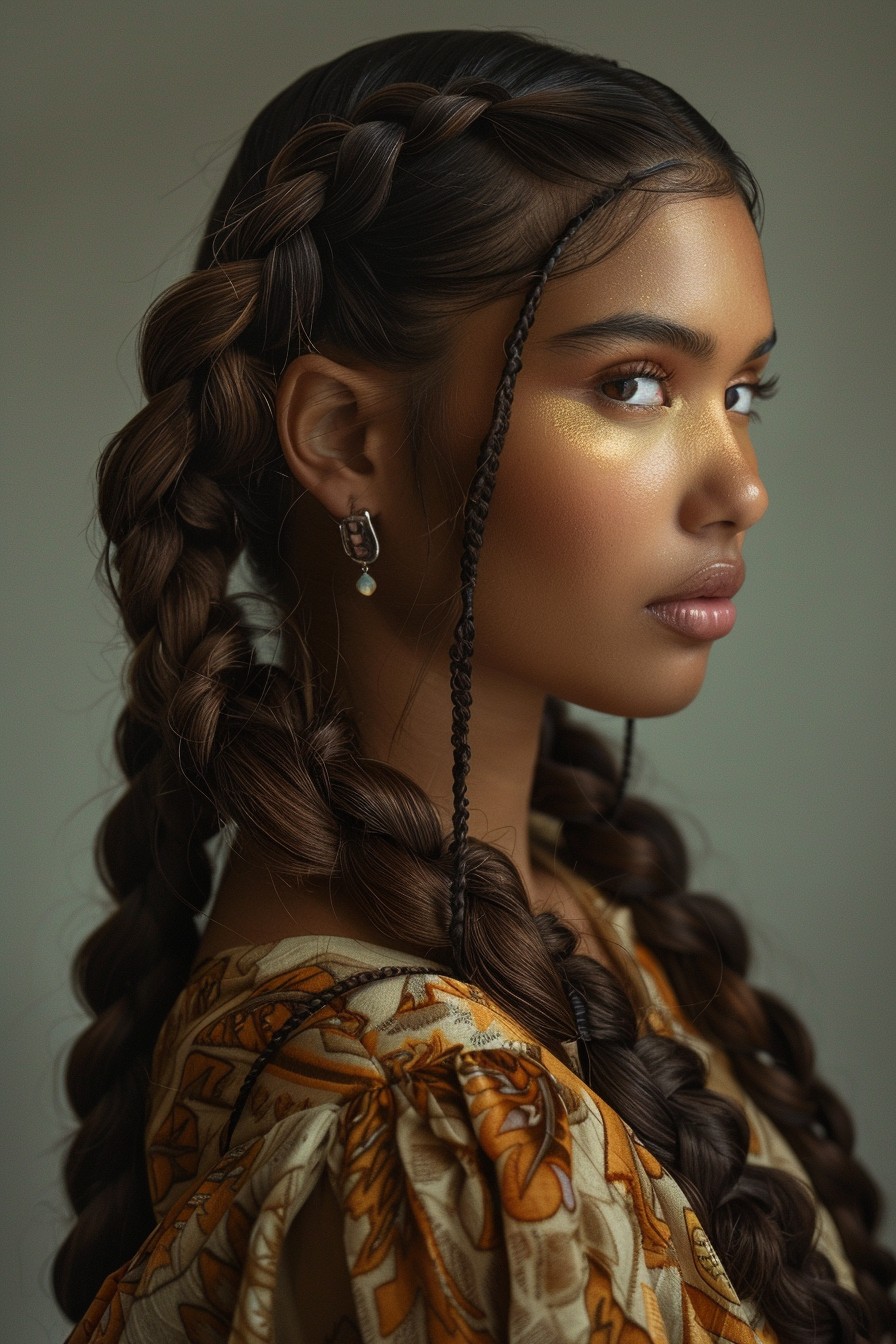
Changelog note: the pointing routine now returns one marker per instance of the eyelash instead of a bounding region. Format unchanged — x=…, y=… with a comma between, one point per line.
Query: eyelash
x=762, y=388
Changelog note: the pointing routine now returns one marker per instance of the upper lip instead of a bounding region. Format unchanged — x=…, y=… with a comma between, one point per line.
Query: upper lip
x=719, y=578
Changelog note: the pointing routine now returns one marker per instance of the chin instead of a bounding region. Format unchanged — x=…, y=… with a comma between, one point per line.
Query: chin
x=670, y=698
x=644, y=698
x=656, y=706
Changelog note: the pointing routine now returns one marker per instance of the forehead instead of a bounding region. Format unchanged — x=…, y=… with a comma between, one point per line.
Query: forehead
x=696, y=260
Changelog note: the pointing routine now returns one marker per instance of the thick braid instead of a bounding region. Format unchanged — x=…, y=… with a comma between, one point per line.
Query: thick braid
x=210, y=734
x=173, y=538
x=703, y=947
x=129, y=971
x=339, y=171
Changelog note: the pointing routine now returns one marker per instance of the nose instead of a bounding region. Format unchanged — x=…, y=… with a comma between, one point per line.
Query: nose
x=726, y=488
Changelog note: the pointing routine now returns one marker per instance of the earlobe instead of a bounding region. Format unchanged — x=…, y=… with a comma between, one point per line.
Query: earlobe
x=328, y=431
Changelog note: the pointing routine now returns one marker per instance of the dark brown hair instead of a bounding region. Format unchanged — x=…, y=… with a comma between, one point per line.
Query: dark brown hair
x=323, y=230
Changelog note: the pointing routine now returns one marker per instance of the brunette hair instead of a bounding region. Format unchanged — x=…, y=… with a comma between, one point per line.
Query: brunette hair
x=323, y=230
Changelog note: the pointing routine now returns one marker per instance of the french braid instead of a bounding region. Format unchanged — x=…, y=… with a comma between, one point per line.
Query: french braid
x=704, y=949
x=320, y=233
x=191, y=478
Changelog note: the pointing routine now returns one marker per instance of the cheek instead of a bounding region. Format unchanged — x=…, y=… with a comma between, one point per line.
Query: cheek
x=580, y=533
x=581, y=510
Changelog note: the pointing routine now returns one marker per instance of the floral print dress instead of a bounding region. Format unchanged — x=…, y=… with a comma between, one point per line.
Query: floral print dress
x=411, y=1166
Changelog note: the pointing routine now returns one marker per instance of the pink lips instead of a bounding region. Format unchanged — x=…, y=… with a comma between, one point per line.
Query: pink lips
x=701, y=608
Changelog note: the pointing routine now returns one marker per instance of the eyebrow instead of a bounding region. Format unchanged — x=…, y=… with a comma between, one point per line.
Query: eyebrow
x=644, y=327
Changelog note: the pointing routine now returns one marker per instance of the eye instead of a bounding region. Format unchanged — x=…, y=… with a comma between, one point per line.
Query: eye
x=740, y=398
x=640, y=391
x=642, y=386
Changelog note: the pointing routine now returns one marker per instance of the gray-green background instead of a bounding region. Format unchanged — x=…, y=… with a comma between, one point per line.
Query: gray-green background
x=119, y=121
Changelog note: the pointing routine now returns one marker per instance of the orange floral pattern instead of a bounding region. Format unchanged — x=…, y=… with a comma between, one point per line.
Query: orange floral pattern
x=409, y=1167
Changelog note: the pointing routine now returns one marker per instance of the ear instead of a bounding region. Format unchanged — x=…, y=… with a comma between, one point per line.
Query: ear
x=337, y=431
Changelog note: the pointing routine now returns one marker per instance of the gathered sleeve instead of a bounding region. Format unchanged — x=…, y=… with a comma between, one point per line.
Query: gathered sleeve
x=479, y=1198
x=473, y=1195
x=408, y=1170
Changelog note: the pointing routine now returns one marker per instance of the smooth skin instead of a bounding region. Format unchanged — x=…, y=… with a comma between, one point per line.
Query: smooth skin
x=627, y=467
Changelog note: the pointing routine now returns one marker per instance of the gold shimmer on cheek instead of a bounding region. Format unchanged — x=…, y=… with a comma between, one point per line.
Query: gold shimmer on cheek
x=567, y=420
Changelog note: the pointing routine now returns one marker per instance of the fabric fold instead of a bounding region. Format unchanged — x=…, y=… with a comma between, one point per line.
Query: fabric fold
x=411, y=1166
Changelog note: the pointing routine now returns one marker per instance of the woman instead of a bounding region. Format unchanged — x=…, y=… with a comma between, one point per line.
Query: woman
x=433, y=1068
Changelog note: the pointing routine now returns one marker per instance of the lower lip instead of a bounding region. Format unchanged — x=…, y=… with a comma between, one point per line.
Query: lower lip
x=697, y=617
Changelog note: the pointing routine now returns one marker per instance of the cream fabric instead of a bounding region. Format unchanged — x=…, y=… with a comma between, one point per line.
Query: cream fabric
x=412, y=1166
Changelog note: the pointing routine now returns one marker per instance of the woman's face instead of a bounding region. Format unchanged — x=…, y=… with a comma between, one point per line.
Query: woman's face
x=627, y=475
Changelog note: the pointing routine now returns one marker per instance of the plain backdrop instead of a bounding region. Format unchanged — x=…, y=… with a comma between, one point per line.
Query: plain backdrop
x=119, y=122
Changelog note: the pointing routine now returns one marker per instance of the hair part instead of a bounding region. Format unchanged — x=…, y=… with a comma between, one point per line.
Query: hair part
x=323, y=232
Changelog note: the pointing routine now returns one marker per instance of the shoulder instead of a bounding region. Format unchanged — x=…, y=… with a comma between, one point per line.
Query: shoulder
x=474, y=1177
x=351, y=1038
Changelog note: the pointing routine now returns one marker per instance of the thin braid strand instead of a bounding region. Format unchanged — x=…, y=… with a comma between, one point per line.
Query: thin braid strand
x=299, y=1017
x=476, y=511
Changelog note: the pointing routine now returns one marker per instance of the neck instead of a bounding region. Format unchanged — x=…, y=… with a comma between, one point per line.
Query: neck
x=401, y=705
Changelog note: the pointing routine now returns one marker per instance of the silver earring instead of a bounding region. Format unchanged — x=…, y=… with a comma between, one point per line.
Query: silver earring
x=359, y=540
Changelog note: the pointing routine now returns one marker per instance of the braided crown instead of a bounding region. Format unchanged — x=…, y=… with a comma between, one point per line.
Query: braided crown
x=336, y=174
x=341, y=170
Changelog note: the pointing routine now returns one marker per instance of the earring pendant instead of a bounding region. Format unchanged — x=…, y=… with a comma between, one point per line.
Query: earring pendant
x=360, y=542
